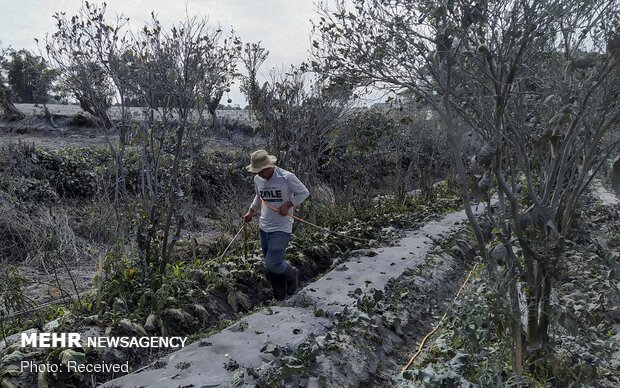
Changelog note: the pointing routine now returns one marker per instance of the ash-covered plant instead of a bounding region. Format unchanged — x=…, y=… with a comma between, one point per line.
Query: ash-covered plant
x=295, y=112
x=359, y=144
x=85, y=50
x=536, y=81
x=7, y=106
x=27, y=232
x=177, y=75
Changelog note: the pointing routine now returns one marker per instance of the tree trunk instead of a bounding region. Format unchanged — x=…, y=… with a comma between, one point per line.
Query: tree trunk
x=173, y=192
x=543, y=321
x=533, y=295
x=10, y=111
x=460, y=169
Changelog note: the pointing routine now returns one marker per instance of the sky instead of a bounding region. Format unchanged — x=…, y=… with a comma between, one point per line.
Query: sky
x=282, y=26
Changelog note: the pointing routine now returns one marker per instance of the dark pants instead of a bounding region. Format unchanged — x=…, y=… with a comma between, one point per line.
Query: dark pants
x=274, y=245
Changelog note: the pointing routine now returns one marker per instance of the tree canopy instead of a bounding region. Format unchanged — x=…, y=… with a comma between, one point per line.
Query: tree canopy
x=29, y=76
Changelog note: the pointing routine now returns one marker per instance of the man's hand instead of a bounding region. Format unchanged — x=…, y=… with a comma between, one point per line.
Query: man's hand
x=248, y=216
x=283, y=210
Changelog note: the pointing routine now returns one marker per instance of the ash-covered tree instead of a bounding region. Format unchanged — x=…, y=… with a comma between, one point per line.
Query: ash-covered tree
x=9, y=110
x=29, y=76
x=397, y=45
x=419, y=147
x=176, y=74
x=536, y=81
x=295, y=112
x=86, y=51
x=358, y=146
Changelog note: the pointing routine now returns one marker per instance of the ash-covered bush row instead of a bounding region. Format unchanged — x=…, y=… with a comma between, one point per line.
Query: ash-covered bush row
x=37, y=175
x=393, y=149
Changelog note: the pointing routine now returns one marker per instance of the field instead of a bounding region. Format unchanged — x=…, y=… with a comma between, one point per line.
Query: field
x=463, y=232
x=337, y=272
x=242, y=116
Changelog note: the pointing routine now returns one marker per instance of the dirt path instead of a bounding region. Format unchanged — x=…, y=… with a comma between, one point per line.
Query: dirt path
x=247, y=345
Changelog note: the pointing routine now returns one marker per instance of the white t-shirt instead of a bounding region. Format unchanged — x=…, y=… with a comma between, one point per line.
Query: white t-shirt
x=283, y=186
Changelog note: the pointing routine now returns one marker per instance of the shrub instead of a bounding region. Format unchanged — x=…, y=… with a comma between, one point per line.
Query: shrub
x=71, y=172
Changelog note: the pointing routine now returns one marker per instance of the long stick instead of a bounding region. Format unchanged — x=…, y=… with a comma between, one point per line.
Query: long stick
x=311, y=224
x=231, y=241
x=245, y=240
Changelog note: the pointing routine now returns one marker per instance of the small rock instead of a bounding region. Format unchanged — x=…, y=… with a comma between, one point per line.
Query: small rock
x=231, y=365
x=152, y=323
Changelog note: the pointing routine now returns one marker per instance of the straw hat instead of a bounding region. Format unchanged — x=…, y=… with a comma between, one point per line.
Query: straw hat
x=260, y=160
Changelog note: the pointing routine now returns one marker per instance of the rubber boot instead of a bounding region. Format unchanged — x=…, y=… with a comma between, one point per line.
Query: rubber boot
x=278, y=284
x=291, y=276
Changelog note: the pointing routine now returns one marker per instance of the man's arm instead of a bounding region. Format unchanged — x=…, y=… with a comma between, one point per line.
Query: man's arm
x=256, y=203
x=299, y=190
x=300, y=193
x=253, y=208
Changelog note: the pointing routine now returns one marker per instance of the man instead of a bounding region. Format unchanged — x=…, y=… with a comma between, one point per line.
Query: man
x=277, y=192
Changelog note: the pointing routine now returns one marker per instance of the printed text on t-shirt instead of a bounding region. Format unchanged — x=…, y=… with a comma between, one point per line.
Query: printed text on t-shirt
x=271, y=195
